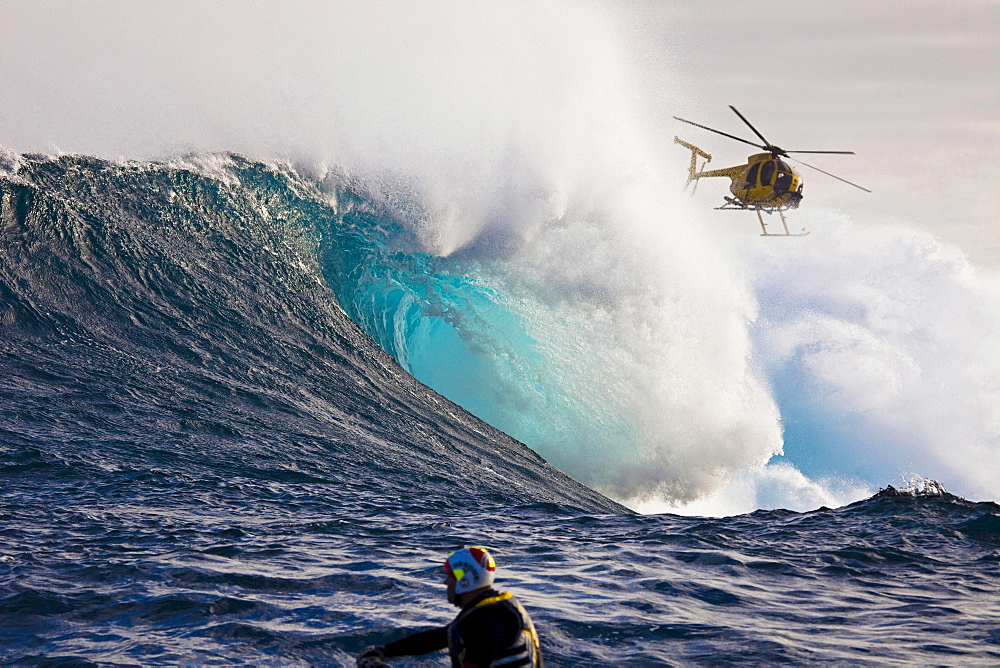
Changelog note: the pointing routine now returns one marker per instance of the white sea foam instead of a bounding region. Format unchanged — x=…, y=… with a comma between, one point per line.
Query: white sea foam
x=639, y=379
x=777, y=485
x=888, y=339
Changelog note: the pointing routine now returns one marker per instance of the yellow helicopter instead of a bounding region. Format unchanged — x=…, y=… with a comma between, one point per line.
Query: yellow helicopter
x=766, y=183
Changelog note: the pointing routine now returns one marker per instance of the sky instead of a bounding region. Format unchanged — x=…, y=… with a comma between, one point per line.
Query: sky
x=912, y=87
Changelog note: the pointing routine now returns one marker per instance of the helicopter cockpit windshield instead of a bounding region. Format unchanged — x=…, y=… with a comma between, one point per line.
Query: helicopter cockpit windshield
x=783, y=182
x=767, y=172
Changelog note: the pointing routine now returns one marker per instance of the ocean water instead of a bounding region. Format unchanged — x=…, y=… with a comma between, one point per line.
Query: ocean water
x=218, y=445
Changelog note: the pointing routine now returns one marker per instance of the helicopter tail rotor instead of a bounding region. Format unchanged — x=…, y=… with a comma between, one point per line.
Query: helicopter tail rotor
x=693, y=169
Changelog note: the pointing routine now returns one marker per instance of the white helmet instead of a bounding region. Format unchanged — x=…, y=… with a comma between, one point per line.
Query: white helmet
x=472, y=567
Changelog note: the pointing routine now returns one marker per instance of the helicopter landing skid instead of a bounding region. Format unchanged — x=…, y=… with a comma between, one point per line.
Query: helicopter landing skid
x=733, y=203
x=784, y=224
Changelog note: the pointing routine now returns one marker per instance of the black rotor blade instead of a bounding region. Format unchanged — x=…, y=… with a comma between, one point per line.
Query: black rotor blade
x=724, y=134
x=838, y=152
x=833, y=175
x=766, y=142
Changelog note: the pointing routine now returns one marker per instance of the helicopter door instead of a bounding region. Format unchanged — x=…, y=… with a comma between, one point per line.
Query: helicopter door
x=767, y=173
x=752, y=176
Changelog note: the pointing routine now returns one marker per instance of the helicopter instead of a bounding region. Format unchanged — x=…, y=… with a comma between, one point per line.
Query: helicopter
x=766, y=183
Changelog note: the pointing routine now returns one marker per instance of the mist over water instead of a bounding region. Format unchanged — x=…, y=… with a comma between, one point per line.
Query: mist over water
x=615, y=329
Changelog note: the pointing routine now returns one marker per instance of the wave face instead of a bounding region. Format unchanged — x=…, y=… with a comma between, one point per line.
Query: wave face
x=178, y=298
x=204, y=459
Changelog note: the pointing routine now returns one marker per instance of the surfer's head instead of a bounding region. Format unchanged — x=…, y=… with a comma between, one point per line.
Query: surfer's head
x=468, y=569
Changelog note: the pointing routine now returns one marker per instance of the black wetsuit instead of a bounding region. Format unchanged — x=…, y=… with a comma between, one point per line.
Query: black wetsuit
x=492, y=629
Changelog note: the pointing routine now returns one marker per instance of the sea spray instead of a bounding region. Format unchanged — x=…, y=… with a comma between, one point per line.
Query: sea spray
x=610, y=339
x=879, y=342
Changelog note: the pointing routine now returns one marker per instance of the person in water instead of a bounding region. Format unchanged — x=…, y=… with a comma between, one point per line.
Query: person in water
x=491, y=629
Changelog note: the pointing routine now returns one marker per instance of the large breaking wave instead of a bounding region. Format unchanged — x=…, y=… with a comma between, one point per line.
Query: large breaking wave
x=174, y=312
x=515, y=236
x=647, y=357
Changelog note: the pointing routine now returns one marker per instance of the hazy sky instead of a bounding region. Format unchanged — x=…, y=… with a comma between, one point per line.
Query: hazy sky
x=913, y=87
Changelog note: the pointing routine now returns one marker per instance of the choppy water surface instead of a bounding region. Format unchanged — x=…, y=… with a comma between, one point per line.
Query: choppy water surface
x=203, y=460
x=132, y=567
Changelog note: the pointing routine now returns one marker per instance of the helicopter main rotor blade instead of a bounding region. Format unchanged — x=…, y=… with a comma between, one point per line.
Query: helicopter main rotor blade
x=724, y=134
x=838, y=152
x=767, y=145
x=832, y=175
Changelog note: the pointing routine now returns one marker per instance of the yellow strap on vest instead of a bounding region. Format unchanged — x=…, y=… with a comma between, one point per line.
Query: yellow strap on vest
x=493, y=599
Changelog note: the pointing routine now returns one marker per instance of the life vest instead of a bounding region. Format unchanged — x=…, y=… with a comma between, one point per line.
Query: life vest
x=524, y=651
